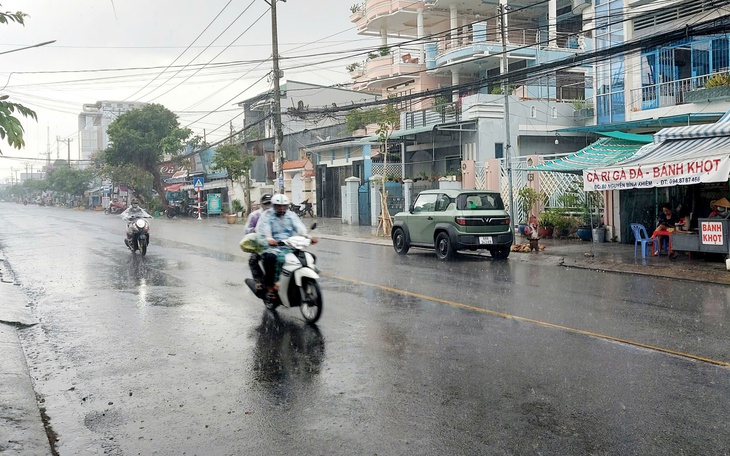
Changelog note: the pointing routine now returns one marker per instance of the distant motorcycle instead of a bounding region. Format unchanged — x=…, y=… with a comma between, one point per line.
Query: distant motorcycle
x=302, y=209
x=140, y=233
x=115, y=207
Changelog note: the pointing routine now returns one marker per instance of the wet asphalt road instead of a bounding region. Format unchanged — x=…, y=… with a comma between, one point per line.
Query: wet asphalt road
x=171, y=354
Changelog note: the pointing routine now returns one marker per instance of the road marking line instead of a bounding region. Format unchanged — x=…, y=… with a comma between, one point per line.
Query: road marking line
x=530, y=320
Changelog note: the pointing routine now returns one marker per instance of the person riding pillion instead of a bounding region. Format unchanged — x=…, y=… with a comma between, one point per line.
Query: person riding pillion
x=251, y=224
x=278, y=224
x=255, y=216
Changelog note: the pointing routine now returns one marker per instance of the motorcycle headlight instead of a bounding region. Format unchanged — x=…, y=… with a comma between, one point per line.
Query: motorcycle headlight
x=140, y=224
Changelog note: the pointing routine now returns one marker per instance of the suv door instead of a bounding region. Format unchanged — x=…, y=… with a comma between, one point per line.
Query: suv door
x=421, y=221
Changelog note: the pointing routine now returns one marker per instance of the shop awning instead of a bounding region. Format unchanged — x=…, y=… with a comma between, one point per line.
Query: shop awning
x=174, y=187
x=678, y=162
x=604, y=152
x=721, y=128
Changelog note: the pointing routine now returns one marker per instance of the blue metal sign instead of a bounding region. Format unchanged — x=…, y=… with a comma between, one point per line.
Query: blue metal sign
x=198, y=182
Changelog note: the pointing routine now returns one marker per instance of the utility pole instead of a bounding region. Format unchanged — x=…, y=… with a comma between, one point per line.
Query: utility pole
x=505, y=90
x=279, y=136
x=68, y=143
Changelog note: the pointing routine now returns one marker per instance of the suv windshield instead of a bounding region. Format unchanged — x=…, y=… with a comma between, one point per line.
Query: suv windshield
x=479, y=202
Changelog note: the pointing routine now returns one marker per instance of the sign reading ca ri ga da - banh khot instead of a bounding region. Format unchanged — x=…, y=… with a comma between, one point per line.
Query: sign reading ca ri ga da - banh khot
x=667, y=174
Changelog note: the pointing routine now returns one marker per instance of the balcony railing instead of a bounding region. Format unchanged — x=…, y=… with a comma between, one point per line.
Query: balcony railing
x=517, y=37
x=666, y=94
x=447, y=112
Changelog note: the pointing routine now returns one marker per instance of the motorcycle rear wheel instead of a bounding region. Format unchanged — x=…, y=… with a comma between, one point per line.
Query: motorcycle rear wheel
x=270, y=304
x=311, y=305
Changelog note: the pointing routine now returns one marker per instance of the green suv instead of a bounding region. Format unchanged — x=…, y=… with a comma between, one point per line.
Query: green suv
x=452, y=220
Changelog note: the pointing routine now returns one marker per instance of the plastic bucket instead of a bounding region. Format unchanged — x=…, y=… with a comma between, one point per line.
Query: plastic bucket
x=599, y=234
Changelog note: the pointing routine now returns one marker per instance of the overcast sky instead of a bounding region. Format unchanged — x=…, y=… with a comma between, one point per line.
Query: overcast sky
x=140, y=38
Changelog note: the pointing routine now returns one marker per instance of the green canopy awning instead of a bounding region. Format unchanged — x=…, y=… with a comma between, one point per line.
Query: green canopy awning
x=604, y=152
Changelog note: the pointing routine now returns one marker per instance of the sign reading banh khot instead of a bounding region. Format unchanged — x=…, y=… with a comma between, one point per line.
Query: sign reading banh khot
x=667, y=174
x=711, y=233
x=214, y=203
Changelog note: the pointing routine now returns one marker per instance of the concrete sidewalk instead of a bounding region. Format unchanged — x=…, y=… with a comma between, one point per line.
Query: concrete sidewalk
x=21, y=428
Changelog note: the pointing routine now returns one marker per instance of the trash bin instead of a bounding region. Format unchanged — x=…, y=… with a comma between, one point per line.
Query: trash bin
x=599, y=234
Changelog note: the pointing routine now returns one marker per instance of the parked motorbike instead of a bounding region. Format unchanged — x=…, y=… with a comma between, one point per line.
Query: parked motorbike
x=302, y=209
x=298, y=285
x=140, y=234
x=115, y=207
x=174, y=210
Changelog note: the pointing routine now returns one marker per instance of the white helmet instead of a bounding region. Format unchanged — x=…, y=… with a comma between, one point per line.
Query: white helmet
x=279, y=200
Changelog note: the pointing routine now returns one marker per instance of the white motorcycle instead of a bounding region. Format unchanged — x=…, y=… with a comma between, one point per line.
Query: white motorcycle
x=140, y=233
x=298, y=285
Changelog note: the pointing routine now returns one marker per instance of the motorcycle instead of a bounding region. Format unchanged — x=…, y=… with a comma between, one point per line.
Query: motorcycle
x=302, y=209
x=114, y=207
x=303, y=291
x=140, y=233
x=174, y=210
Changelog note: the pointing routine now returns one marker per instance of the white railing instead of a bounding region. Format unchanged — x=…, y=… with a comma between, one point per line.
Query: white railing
x=666, y=93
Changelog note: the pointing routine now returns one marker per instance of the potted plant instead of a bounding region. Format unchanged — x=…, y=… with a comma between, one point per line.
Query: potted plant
x=546, y=223
x=238, y=207
x=357, y=12
x=716, y=88
x=564, y=225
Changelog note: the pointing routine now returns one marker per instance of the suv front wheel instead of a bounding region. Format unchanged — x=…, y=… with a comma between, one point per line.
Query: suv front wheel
x=400, y=244
x=444, y=249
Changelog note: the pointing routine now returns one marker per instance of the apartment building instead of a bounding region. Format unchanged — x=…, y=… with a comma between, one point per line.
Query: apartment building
x=93, y=124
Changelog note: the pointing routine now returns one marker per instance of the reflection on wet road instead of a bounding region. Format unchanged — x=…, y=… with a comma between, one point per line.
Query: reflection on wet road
x=171, y=354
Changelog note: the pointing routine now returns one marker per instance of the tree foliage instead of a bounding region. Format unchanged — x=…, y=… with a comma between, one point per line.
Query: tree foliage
x=231, y=158
x=10, y=127
x=359, y=118
x=141, y=139
x=69, y=180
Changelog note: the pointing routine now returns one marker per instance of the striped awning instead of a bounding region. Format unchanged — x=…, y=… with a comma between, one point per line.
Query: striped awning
x=680, y=149
x=604, y=152
x=719, y=128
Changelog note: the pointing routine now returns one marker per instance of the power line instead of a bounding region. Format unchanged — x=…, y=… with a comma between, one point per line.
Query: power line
x=183, y=52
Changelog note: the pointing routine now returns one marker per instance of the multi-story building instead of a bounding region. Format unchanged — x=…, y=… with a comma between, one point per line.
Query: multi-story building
x=93, y=123
x=301, y=126
x=458, y=43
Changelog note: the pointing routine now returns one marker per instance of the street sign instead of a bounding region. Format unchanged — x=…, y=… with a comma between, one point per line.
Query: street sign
x=198, y=182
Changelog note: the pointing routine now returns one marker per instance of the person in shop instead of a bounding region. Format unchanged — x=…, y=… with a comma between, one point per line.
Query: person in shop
x=668, y=221
x=719, y=208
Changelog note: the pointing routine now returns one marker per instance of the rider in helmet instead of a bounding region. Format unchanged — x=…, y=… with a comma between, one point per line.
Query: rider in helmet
x=251, y=223
x=277, y=225
x=134, y=211
x=255, y=216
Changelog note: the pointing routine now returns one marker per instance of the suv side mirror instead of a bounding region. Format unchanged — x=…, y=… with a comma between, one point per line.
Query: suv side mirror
x=410, y=208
